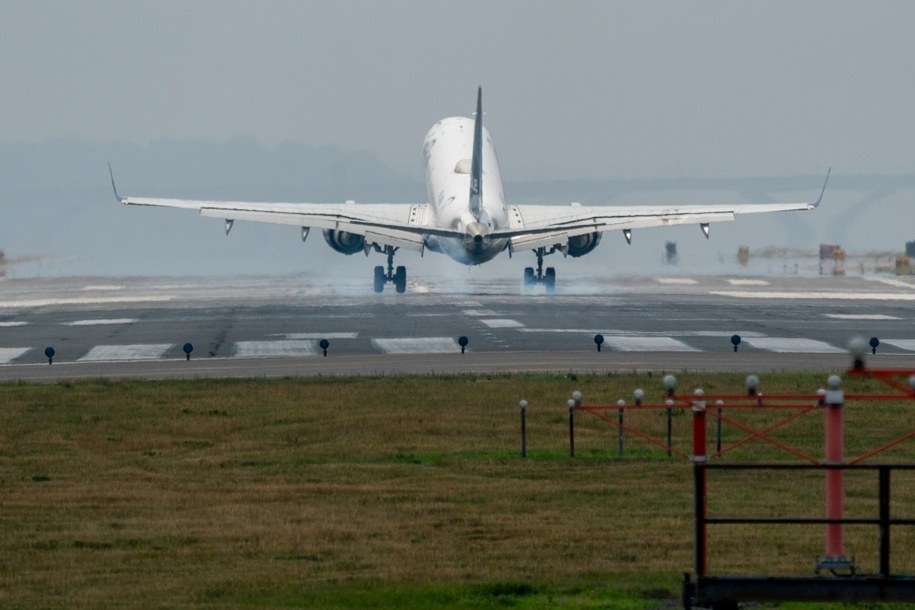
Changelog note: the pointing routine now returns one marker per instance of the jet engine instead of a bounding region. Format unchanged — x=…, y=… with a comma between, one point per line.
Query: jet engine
x=582, y=244
x=343, y=242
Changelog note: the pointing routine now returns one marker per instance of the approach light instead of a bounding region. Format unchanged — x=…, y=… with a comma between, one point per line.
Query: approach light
x=523, y=405
x=857, y=346
x=752, y=385
x=639, y=394
x=670, y=384
x=576, y=398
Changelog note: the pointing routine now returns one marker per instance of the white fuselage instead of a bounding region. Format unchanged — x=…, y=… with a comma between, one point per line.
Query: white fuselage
x=447, y=151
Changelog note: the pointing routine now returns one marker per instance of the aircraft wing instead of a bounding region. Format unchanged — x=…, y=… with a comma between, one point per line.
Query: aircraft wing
x=395, y=224
x=535, y=226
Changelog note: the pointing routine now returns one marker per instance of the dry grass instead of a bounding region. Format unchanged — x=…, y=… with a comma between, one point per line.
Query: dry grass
x=299, y=493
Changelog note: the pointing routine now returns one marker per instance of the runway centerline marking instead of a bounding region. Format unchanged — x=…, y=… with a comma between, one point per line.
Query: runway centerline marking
x=8, y=354
x=481, y=313
x=417, y=345
x=111, y=321
x=677, y=281
x=502, y=323
x=832, y=296
x=644, y=333
x=104, y=353
x=794, y=345
x=863, y=316
x=12, y=324
x=316, y=336
x=84, y=301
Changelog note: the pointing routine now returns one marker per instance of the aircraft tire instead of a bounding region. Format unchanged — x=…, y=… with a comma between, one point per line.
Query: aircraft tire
x=400, y=279
x=379, y=278
x=549, y=280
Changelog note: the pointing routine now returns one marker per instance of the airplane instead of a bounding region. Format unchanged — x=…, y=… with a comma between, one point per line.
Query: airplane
x=466, y=215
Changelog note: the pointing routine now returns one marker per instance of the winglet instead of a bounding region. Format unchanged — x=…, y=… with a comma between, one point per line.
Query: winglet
x=476, y=160
x=816, y=203
x=113, y=186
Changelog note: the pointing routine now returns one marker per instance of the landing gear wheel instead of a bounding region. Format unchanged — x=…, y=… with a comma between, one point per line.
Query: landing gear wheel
x=533, y=277
x=400, y=280
x=379, y=278
x=549, y=280
x=528, y=279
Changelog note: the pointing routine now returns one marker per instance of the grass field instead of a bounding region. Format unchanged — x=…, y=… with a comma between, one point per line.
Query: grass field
x=404, y=492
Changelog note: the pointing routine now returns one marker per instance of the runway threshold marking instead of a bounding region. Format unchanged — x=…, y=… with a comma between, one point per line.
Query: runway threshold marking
x=417, y=345
x=8, y=354
x=266, y=349
x=103, y=353
x=647, y=344
x=793, y=345
x=903, y=344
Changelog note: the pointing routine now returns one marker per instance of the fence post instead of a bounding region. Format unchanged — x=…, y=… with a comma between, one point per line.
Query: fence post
x=523, y=405
x=835, y=478
x=571, y=404
x=700, y=485
x=620, y=404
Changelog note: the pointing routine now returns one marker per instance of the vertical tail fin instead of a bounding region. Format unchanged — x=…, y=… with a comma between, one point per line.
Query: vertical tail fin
x=476, y=161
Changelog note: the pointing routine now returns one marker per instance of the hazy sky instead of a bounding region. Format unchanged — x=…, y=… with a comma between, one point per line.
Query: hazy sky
x=571, y=89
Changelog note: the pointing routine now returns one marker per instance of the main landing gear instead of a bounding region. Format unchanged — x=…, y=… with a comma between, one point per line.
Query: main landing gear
x=533, y=277
x=398, y=277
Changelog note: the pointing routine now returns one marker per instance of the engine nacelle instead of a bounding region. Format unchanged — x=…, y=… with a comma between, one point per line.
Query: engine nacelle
x=343, y=242
x=582, y=244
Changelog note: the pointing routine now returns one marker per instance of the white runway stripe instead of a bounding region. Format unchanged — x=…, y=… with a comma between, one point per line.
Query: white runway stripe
x=502, y=323
x=863, y=316
x=103, y=353
x=740, y=282
x=410, y=345
x=84, y=301
x=319, y=336
x=272, y=349
x=8, y=354
x=12, y=324
x=830, y=296
x=793, y=345
x=677, y=281
x=111, y=321
x=906, y=344
x=647, y=344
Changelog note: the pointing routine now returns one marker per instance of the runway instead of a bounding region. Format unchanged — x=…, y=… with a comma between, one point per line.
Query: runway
x=272, y=326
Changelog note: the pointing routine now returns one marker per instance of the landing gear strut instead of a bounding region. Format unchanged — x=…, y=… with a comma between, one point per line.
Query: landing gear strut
x=533, y=277
x=398, y=277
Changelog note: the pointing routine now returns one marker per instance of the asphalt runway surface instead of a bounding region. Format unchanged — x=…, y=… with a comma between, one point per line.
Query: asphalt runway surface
x=272, y=326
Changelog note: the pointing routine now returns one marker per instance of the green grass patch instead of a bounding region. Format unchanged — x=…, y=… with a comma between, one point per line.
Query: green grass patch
x=338, y=493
